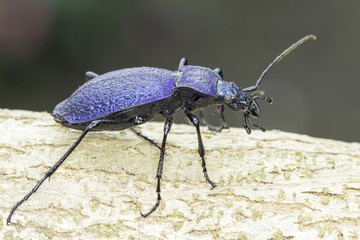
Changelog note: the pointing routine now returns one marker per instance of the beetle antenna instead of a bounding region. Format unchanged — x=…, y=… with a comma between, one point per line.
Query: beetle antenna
x=277, y=59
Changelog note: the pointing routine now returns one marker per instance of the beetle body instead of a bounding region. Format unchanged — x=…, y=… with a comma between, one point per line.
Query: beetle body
x=133, y=96
x=128, y=97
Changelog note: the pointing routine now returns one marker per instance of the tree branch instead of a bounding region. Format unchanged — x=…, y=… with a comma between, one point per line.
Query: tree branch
x=270, y=185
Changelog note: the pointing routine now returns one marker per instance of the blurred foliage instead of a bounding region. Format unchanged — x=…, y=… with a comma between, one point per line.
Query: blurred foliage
x=46, y=47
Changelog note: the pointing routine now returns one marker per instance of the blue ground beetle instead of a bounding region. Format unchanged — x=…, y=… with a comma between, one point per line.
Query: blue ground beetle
x=128, y=97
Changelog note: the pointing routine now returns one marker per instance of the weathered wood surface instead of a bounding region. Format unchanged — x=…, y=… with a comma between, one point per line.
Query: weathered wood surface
x=270, y=185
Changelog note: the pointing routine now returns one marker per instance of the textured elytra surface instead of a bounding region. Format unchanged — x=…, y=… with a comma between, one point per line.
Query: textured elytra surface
x=271, y=185
x=201, y=79
x=116, y=91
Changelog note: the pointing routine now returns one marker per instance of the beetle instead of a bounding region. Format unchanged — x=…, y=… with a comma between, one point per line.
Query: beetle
x=128, y=97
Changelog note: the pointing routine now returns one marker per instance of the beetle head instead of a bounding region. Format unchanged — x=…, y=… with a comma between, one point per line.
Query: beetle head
x=237, y=99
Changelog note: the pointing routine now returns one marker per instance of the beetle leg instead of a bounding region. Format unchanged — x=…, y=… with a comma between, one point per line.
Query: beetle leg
x=219, y=71
x=145, y=137
x=195, y=121
x=50, y=172
x=182, y=63
x=90, y=75
x=223, y=124
x=167, y=127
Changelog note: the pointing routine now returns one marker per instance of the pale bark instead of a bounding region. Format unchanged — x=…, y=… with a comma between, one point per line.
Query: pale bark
x=270, y=185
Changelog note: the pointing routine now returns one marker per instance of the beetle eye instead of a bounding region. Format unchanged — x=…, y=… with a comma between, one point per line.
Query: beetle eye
x=228, y=99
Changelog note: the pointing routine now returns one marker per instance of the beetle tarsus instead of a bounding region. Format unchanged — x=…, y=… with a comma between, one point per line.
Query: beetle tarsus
x=167, y=128
x=219, y=71
x=209, y=180
x=182, y=63
x=195, y=121
x=153, y=208
x=90, y=75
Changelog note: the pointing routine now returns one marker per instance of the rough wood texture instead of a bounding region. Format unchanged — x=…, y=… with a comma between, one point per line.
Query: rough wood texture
x=271, y=185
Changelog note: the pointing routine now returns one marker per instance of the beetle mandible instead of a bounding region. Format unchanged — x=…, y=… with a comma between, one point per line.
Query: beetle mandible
x=128, y=97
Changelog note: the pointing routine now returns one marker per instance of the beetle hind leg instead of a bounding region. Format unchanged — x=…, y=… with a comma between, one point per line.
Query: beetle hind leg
x=145, y=137
x=53, y=169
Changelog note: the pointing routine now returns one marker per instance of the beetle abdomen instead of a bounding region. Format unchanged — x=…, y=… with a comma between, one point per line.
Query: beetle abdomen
x=115, y=91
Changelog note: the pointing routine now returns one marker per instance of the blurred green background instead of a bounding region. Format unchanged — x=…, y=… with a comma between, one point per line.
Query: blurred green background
x=46, y=47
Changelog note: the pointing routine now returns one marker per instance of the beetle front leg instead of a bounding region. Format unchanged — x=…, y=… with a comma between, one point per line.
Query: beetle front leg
x=195, y=121
x=223, y=124
x=167, y=127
